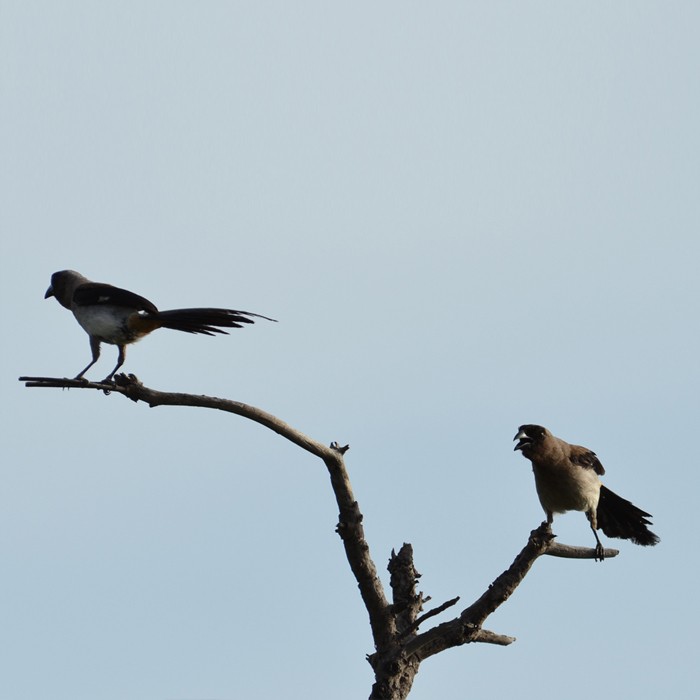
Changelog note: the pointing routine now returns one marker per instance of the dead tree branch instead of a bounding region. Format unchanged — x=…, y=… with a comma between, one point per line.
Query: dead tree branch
x=399, y=648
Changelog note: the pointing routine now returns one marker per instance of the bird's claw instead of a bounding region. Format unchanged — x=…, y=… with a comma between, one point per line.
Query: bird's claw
x=599, y=552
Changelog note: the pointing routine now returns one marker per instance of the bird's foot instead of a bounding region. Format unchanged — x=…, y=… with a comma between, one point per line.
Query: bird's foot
x=109, y=381
x=542, y=534
x=125, y=379
x=599, y=552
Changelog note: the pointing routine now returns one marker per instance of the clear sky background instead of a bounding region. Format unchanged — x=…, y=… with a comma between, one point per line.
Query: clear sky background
x=466, y=216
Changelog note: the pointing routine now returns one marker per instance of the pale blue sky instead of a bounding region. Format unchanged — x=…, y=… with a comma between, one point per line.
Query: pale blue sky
x=466, y=216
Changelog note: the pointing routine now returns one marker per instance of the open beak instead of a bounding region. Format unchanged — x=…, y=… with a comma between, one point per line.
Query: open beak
x=523, y=440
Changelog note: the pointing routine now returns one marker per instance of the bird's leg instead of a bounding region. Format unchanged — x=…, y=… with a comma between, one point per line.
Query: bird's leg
x=599, y=549
x=95, y=348
x=547, y=524
x=120, y=361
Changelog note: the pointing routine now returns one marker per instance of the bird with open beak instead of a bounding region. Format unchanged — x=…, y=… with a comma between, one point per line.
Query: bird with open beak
x=567, y=478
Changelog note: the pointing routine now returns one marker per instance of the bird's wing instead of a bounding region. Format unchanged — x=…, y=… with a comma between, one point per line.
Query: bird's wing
x=95, y=293
x=583, y=457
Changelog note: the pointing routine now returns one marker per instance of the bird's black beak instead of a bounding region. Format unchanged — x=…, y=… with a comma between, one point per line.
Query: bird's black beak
x=523, y=439
x=49, y=293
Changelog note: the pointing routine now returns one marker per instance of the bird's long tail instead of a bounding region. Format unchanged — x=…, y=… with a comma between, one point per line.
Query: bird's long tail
x=207, y=321
x=618, y=517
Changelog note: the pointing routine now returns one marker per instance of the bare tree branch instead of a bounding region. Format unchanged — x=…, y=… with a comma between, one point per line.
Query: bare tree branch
x=493, y=638
x=352, y=534
x=568, y=551
x=467, y=626
x=399, y=649
x=350, y=520
x=404, y=577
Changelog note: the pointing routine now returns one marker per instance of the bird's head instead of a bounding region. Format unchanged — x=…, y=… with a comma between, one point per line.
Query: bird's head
x=529, y=437
x=63, y=285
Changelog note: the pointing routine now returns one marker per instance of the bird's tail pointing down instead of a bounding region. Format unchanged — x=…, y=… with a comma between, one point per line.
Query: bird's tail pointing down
x=618, y=517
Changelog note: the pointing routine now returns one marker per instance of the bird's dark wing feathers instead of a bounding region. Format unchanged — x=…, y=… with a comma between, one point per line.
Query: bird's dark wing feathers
x=587, y=459
x=92, y=293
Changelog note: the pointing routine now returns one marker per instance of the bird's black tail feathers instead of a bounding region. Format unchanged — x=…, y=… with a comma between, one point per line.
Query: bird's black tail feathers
x=207, y=321
x=618, y=517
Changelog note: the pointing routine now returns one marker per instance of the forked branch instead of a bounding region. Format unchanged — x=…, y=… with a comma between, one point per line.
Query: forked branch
x=399, y=647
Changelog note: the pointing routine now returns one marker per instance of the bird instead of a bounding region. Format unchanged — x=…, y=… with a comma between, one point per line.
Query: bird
x=567, y=478
x=116, y=316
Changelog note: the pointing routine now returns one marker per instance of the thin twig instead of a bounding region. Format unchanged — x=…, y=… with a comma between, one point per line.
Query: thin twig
x=431, y=613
